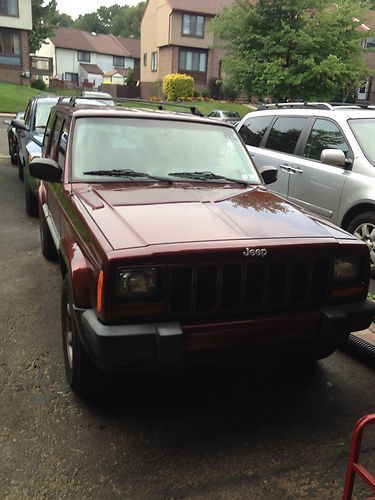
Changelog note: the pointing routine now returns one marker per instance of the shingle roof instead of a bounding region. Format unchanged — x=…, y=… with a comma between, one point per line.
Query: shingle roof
x=74, y=39
x=200, y=6
x=132, y=45
x=91, y=68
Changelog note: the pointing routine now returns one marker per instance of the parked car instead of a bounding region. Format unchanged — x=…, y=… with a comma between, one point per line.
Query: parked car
x=226, y=116
x=325, y=156
x=173, y=251
x=12, y=138
x=102, y=97
x=30, y=131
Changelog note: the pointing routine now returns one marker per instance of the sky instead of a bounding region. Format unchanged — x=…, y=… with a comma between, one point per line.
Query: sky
x=75, y=7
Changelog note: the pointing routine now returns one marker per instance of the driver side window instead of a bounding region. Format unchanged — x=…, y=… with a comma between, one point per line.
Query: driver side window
x=324, y=135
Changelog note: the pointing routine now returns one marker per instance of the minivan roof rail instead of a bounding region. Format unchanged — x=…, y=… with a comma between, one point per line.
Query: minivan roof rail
x=307, y=104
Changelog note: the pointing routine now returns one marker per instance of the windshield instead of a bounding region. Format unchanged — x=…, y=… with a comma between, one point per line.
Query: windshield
x=42, y=112
x=364, y=131
x=166, y=149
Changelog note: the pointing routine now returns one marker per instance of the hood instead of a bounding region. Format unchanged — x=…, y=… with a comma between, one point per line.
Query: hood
x=139, y=215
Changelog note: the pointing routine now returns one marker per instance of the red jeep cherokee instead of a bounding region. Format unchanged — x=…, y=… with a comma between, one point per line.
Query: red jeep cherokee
x=173, y=251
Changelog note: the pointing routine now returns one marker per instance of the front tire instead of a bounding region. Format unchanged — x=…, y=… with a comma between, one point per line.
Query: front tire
x=31, y=201
x=20, y=168
x=363, y=227
x=81, y=373
x=46, y=242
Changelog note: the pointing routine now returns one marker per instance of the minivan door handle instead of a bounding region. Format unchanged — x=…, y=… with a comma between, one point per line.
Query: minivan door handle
x=286, y=168
x=295, y=170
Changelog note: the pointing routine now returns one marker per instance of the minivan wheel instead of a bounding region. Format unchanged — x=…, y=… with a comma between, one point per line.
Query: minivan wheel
x=363, y=227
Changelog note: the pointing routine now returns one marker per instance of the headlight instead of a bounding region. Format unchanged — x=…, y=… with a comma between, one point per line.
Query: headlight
x=132, y=283
x=346, y=269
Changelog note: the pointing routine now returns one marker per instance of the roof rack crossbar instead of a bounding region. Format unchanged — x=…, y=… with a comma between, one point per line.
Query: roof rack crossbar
x=161, y=105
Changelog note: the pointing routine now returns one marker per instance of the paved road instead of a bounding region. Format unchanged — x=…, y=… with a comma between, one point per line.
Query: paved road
x=268, y=432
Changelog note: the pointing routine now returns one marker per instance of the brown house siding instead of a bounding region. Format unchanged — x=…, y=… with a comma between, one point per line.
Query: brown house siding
x=13, y=74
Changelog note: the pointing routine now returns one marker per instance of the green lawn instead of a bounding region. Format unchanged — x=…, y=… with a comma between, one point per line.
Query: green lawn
x=14, y=98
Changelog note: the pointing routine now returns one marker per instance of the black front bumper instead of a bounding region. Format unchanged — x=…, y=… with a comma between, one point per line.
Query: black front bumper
x=158, y=345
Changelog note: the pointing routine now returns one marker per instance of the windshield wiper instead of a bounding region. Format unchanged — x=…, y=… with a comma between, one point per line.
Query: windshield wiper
x=125, y=172
x=206, y=176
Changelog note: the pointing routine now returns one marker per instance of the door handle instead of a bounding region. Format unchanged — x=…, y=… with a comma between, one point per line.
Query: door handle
x=296, y=170
x=286, y=168
x=291, y=170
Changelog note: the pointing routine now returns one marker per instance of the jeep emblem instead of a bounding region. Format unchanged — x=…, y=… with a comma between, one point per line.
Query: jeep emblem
x=255, y=252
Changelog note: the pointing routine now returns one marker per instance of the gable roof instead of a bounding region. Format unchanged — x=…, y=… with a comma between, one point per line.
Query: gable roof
x=74, y=39
x=210, y=7
x=93, y=69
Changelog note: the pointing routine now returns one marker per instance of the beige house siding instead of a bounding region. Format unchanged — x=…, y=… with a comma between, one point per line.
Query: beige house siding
x=177, y=38
x=161, y=32
x=24, y=19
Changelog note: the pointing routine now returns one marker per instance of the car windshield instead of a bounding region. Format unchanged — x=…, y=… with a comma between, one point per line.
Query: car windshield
x=364, y=130
x=231, y=114
x=42, y=112
x=129, y=148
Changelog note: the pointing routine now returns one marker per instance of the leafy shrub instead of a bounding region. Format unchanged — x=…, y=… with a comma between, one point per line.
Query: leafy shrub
x=39, y=84
x=130, y=79
x=176, y=86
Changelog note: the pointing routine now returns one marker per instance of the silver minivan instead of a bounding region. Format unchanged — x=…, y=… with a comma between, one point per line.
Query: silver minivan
x=325, y=156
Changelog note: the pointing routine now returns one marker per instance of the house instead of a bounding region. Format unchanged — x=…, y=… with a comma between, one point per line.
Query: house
x=15, y=24
x=367, y=92
x=79, y=57
x=176, y=38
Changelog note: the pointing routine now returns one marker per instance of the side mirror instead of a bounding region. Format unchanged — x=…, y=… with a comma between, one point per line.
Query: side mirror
x=334, y=157
x=19, y=124
x=45, y=170
x=269, y=174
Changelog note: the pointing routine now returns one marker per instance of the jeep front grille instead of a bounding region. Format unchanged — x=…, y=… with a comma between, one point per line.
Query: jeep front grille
x=230, y=287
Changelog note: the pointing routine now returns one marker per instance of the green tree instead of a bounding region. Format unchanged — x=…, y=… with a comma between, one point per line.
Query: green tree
x=91, y=22
x=42, y=26
x=127, y=22
x=116, y=19
x=293, y=49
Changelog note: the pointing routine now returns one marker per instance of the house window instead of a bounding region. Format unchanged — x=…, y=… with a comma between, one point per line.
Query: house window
x=71, y=77
x=193, y=25
x=154, y=61
x=119, y=61
x=83, y=56
x=193, y=61
x=370, y=42
x=144, y=59
x=10, y=48
x=9, y=8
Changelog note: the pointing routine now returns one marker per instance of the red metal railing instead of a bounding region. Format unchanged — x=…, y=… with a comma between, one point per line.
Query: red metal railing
x=353, y=466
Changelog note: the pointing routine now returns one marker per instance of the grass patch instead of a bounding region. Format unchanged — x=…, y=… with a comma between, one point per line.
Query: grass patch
x=14, y=97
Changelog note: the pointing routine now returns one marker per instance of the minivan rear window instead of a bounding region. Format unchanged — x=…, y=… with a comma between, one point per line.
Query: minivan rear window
x=285, y=133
